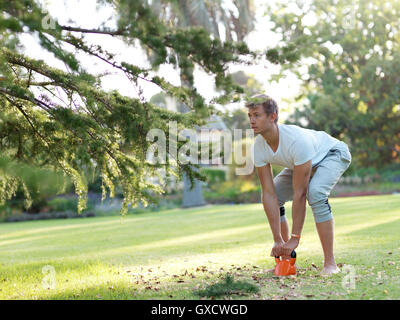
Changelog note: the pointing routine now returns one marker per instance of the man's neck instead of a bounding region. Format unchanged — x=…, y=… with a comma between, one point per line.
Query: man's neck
x=272, y=137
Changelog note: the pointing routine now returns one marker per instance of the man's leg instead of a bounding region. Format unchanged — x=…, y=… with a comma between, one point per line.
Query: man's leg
x=326, y=235
x=324, y=179
x=284, y=192
x=284, y=225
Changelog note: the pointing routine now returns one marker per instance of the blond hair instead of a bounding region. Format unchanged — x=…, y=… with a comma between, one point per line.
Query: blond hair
x=269, y=105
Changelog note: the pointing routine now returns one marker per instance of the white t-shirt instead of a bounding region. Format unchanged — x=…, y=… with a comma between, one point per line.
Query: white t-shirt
x=296, y=146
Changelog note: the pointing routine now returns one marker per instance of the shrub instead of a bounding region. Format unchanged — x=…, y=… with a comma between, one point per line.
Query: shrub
x=47, y=216
x=236, y=191
x=214, y=175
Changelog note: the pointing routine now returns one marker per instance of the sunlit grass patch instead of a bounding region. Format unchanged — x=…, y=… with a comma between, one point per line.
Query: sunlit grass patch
x=174, y=253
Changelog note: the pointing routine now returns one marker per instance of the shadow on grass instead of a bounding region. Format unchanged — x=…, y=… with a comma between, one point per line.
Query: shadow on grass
x=227, y=287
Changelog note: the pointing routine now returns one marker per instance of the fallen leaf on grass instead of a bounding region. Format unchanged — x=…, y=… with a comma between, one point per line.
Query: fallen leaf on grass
x=149, y=288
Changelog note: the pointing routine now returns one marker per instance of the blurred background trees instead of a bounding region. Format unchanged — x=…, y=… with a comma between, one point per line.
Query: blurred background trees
x=349, y=72
x=214, y=18
x=60, y=118
x=63, y=118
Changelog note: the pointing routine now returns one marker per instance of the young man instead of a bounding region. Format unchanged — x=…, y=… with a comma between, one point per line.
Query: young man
x=313, y=162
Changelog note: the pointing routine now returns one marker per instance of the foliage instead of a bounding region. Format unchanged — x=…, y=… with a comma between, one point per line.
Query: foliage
x=48, y=216
x=214, y=175
x=212, y=16
x=386, y=174
x=18, y=179
x=349, y=74
x=238, y=119
x=233, y=192
x=65, y=120
x=66, y=203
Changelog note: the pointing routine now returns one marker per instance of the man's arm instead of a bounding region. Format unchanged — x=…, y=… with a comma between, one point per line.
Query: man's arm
x=301, y=178
x=270, y=202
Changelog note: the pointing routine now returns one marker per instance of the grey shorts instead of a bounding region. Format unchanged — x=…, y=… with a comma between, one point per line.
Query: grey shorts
x=324, y=176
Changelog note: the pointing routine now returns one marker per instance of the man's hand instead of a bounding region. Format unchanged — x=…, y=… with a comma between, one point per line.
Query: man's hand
x=289, y=246
x=277, y=249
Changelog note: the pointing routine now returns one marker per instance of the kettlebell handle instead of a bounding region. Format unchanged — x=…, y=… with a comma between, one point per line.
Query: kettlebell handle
x=292, y=255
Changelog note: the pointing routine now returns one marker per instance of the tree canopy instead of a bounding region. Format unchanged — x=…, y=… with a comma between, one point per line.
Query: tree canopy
x=350, y=77
x=65, y=120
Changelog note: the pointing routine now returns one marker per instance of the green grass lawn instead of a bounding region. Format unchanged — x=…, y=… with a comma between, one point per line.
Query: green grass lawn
x=173, y=254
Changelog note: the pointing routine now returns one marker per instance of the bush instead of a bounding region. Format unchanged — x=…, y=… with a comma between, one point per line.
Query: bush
x=362, y=176
x=61, y=204
x=214, y=175
x=47, y=216
x=236, y=191
x=67, y=203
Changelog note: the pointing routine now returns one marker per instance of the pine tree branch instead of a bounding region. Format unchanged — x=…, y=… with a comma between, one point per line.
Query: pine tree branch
x=113, y=64
x=94, y=31
x=20, y=108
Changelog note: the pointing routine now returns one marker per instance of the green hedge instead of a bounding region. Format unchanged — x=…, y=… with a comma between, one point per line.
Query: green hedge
x=237, y=191
x=214, y=175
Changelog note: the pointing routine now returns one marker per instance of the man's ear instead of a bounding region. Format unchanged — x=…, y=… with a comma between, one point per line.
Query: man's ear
x=273, y=116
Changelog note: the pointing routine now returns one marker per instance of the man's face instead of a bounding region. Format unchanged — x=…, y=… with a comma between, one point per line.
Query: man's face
x=259, y=120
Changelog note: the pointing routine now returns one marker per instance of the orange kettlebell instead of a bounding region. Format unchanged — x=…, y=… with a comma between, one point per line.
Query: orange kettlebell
x=285, y=267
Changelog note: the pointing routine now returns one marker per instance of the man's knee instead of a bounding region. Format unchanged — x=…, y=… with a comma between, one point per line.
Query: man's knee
x=320, y=206
x=280, y=197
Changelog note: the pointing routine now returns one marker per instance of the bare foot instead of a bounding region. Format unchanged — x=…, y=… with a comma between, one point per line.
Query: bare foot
x=330, y=269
